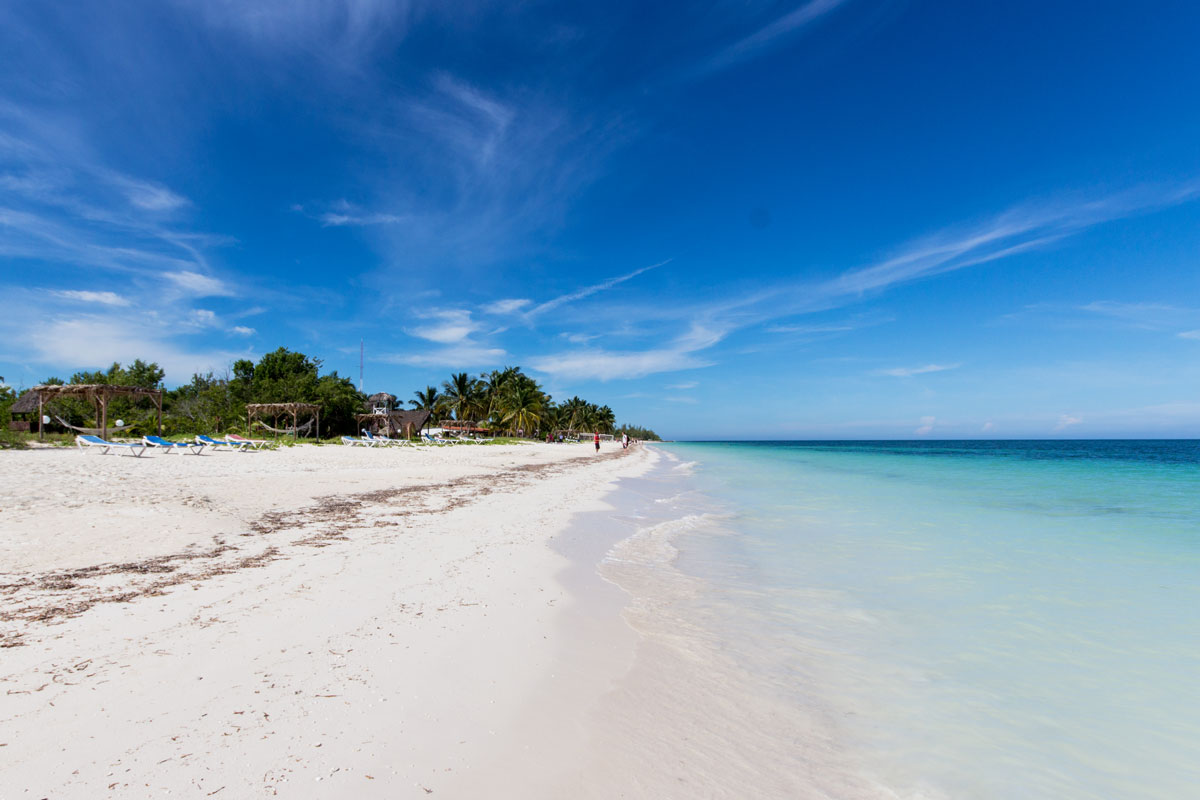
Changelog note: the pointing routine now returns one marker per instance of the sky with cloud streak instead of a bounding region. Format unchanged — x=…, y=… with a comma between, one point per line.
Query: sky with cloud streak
x=833, y=218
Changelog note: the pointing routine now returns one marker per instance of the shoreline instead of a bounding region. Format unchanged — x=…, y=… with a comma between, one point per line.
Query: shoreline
x=349, y=652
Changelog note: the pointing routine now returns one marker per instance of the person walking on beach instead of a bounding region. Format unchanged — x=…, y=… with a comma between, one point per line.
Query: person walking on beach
x=597, y=441
x=624, y=441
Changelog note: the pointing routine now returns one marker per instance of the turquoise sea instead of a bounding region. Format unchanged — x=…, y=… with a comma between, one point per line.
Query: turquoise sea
x=1015, y=619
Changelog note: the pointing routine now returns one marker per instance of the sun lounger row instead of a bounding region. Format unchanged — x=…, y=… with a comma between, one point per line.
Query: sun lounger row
x=136, y=449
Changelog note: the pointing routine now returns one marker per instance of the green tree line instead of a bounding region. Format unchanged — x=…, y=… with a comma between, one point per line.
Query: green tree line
x=506, y=401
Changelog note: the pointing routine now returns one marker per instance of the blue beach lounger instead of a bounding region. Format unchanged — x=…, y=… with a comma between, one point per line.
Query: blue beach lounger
x=187, y=447
x=354, y=440
x=219, y=443
x=85, y=441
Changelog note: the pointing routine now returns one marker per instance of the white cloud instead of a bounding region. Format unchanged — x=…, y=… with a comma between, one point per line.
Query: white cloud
x=203, y=317
x=683, y=386
x=149, y=196
x=334, y=220
x=96, y=341
x=579, y=338
x=462, y=357
x=199, y=285
x=507, y=306
x=987, y=426
x=606, y=365
x=242, y=330
x=908, y=372
x=926, y=426
x=588, y=291
x=1066, y=420
x=103, y=298
x=767, y=35
x=450, y=326
x=682, y=398
x=1189, y=334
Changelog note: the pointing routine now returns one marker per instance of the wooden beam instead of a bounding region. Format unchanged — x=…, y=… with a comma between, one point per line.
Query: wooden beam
x=103, y=416
x=41, y=417
x=160, y=399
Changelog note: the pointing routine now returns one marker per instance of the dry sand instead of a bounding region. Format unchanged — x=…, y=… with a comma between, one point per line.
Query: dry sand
x=311, y=622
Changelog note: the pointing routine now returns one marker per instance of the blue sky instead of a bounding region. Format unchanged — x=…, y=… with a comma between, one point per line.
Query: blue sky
x=839, y=218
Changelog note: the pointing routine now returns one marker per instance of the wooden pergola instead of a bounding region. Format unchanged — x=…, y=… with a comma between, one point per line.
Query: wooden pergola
x=99, y=394
x=259, y=411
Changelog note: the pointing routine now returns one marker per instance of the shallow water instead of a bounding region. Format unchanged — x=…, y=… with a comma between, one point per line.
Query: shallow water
x=945, y=619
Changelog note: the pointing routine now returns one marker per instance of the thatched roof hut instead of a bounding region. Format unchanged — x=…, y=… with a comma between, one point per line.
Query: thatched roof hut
x=380, y=400
x=27, y=403
x=400, y=422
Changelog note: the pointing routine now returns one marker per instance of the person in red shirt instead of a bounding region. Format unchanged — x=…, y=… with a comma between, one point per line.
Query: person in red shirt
x=597, y=441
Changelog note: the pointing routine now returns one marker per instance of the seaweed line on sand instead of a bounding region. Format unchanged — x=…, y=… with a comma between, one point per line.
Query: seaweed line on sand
x=54, y=596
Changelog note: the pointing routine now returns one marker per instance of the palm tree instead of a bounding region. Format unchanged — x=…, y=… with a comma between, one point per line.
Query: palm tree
x=430, y=400
x=573, y=413
x=521, y=407
x=606, y=419
x=463, y=395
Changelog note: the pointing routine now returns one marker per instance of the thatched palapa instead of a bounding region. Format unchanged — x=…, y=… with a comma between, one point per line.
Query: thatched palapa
x=400, y=422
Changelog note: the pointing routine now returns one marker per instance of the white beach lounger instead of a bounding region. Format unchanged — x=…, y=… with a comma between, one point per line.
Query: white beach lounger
x=354, y=441
x=257, y=444
x=172, y=447
x=85, y=441
x=217, y=444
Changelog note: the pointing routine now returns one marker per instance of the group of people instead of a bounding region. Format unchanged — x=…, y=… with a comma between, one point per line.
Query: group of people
x=624, y=441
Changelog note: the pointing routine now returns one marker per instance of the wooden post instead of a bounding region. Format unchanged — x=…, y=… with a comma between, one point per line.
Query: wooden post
x=318, y=412
x=104, y=417
x=41, y=418
x=295, y=423
x=160, y=395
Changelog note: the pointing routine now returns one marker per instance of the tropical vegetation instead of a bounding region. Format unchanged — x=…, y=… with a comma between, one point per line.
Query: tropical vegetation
x=505, y=401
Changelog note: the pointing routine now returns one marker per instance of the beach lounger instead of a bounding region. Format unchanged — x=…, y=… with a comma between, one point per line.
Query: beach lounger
x=85, y=441
x=354, y=441
x=432, y=440
x=381, y=441
x=216, y=444
x=256, y=444
x=172, y=447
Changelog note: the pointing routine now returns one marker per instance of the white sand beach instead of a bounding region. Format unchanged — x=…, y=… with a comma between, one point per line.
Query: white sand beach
x=309, y=622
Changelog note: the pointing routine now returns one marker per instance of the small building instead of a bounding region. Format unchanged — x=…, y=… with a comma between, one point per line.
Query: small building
x=394, y=424
x=24, y=411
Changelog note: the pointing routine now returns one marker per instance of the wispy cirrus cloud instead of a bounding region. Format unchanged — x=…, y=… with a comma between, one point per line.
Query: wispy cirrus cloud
x=198, y=285
x=464, y=356
x=83, y=296
x=447, y=326
x=1018, y=230
x=510, y=305
x=588, y=291
x=770, y=34
x=909, y=372
x=679, y=354
x=1021, y=229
